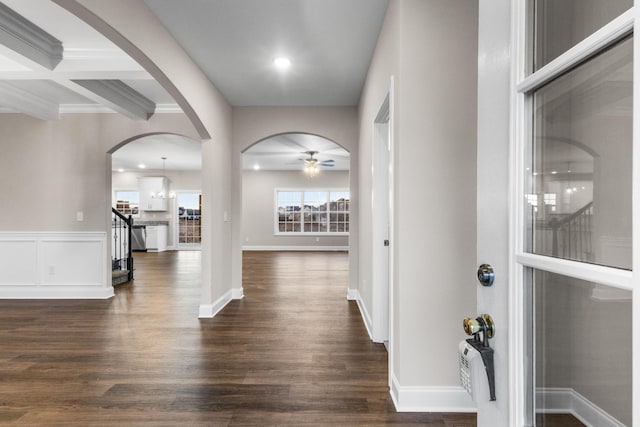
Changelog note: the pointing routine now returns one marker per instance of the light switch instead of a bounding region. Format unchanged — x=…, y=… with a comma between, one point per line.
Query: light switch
x=80, y=216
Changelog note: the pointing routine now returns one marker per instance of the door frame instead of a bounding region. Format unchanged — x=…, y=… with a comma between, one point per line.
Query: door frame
x=382, y=290
x=176, y=232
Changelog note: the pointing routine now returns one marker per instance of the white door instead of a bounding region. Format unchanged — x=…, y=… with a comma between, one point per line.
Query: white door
x=557, y=157
x=381, y=223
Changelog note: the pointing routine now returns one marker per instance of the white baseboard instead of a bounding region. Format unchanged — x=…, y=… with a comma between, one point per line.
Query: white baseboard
x=569, y=401
x=352, y=294
x=296, y=248
x=54, y=265
x=430, y=399
x=366, y=318
x=56, y=292
x=237, y=293
x=210, y=310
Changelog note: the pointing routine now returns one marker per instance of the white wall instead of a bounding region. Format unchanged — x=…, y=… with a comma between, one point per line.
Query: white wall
x=430, y=47
x=51, y=170
x=258, y=207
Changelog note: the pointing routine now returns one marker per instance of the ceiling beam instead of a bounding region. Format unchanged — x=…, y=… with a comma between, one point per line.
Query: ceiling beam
x=122, y=98
x=29, y=40
x=25, y=102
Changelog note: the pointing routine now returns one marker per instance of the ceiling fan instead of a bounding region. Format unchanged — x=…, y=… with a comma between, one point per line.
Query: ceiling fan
x=311, y=164
x=314, y=161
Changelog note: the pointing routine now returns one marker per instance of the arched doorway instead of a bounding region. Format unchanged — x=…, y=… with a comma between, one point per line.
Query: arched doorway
x=295, y=194
x=156, y=182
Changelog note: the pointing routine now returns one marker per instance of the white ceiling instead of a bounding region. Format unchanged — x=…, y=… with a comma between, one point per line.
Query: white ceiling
x=87, y=56
x=330, y=44
x=181, y=154
x=287, y=152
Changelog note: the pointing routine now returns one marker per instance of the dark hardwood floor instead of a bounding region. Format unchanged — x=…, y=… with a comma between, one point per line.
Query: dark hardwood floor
x=294, y=351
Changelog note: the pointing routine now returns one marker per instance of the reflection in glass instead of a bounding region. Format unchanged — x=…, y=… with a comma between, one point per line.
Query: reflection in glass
x=561, y=24
x=583, y=355
x=578, y=201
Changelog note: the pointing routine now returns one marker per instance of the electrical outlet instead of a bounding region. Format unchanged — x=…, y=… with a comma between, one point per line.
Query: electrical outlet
x=80, y=216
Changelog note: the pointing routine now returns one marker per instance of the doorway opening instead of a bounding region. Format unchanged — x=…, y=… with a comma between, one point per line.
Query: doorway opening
x=148, y=173
x=295, y=194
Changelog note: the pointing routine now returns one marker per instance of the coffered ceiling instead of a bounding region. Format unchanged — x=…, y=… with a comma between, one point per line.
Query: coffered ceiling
x=74, y=69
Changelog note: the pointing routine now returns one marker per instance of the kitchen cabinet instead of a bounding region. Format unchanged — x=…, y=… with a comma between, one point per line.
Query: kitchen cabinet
x=153, y=191
x=156, y=238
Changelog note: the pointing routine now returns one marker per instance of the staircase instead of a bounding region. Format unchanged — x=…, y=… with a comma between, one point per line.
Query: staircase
x=572, y=236
x=122, y=257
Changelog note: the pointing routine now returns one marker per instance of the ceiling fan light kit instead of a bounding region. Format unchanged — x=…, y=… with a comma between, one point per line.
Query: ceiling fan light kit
x=312, y=165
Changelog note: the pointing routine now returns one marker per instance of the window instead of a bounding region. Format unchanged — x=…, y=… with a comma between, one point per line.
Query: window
x=127, y=202
x=312, y=212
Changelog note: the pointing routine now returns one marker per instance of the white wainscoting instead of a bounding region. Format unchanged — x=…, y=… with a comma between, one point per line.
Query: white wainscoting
x=48, y=265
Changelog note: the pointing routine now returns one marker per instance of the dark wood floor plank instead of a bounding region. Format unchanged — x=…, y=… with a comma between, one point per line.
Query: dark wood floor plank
x=294, y=351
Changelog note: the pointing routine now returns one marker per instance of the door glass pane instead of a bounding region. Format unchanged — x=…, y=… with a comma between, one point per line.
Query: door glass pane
x=578, y=200
x=189, y=219
x=561, y=24
x=583, y=355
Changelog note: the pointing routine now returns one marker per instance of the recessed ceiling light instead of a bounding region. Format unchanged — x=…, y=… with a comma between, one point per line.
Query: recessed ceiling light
x=282, y=62
x=256, y=167
x=142, y=166
x=120, y=170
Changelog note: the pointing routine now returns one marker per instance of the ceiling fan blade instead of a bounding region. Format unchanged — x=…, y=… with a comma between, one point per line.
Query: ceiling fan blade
x=327, y=165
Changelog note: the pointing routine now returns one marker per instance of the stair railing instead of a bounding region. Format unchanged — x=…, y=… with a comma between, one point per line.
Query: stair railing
x=572, y=236
x=122, y=256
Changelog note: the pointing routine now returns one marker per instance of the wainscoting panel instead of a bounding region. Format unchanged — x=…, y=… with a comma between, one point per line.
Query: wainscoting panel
x=18, y=261
x=54, y=265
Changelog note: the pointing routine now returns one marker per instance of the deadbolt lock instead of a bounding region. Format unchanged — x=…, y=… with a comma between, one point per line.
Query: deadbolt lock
x=485, y=275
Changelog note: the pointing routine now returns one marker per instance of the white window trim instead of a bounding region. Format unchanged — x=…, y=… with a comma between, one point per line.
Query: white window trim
x=521, y=112
x=276, y=228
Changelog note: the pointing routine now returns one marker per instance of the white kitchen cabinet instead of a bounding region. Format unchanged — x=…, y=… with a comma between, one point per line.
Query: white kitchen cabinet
x=153, y=191
x=156, y=238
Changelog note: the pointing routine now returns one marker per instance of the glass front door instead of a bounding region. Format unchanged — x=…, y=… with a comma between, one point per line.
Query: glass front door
x=577, y=212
